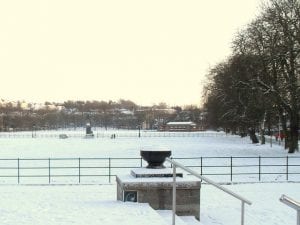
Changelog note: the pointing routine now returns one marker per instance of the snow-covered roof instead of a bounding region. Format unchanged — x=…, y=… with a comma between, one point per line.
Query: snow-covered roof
x=126, y=112
x=181, y=123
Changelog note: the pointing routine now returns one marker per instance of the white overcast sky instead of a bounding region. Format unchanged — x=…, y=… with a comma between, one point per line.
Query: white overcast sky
x=145, y=51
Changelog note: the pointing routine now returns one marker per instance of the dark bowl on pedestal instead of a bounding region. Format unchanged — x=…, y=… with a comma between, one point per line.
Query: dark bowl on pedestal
x=155, y=158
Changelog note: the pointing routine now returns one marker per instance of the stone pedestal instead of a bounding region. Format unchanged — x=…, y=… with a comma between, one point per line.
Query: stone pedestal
x=154, y=186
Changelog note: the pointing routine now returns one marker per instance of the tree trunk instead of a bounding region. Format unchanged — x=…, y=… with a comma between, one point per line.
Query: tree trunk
x=253, y=136
x=262, y=130
x=293, y=134
x=262, y=135
x=286, y=135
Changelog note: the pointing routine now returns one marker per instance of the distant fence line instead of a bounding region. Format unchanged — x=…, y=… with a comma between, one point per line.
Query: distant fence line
x=272, y=141
x=104, y=170
x=117, y=134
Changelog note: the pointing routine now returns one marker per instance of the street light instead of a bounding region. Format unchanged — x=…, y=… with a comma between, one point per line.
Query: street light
x=279, y=132
x=33, y=131
x=280, y=135
x=139, y=127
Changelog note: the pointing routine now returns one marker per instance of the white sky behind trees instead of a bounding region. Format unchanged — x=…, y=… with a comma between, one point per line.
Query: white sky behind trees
x=145, y=51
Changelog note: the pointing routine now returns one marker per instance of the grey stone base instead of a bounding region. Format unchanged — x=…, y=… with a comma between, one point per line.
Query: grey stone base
x=143, y=172
x=158, y=193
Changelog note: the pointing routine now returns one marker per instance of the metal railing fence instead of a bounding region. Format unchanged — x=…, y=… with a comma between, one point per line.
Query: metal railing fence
x=207, y=180
x=103, y=170
x=109, y=134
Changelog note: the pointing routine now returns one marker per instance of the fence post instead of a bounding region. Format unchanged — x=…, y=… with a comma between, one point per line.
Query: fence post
x=231, y=168
x=109, y=170
x=287, y=168
x=18, y=170
x=201, y=165
x=242, y=213
x=79, y=170
x=259, y=165
x=49, y=173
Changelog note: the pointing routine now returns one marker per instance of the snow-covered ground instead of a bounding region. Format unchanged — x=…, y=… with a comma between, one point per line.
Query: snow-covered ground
x=266, y=209
x=206, y=145
x=185, y=145
x=95, y=204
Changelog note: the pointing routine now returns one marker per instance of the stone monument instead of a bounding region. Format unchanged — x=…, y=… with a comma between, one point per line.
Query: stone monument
x=154, y=183
x=88, y=131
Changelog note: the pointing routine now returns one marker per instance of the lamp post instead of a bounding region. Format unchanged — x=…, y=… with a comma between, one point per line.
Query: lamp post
x=279, y=132
x=139, y=127
x=201, y=117
x=33, y=131
x=282, y=125
x=263, y=140
x=284, y=128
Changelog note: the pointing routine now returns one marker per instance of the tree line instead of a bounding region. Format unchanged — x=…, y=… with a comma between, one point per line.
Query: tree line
x=257, y=88
x=123, y=114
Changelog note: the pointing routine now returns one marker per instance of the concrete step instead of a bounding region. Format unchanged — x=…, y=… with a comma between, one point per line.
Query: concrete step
x=127, y=213
x=167, y=216
x=179, y=220
x=191, y=220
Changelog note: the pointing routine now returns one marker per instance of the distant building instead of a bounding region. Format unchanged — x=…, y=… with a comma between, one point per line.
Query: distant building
x=179, y=126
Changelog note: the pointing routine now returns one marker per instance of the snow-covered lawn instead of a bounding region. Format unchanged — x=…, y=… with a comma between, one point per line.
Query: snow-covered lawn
x=203, y=144
x=266, y=209
x=130, y=146
x=95, y=204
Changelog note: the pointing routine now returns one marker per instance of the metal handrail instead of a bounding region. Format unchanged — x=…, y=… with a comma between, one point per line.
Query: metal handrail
x=17, y=167
x=176, y=164
x=293, y=204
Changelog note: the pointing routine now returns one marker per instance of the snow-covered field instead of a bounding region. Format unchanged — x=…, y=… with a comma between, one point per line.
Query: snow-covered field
x=210, y=144
x=95, y=204
x=183, y=145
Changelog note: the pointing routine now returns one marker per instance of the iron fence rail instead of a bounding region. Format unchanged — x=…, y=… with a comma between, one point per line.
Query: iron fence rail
x=109, y=134
x=103, y=170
